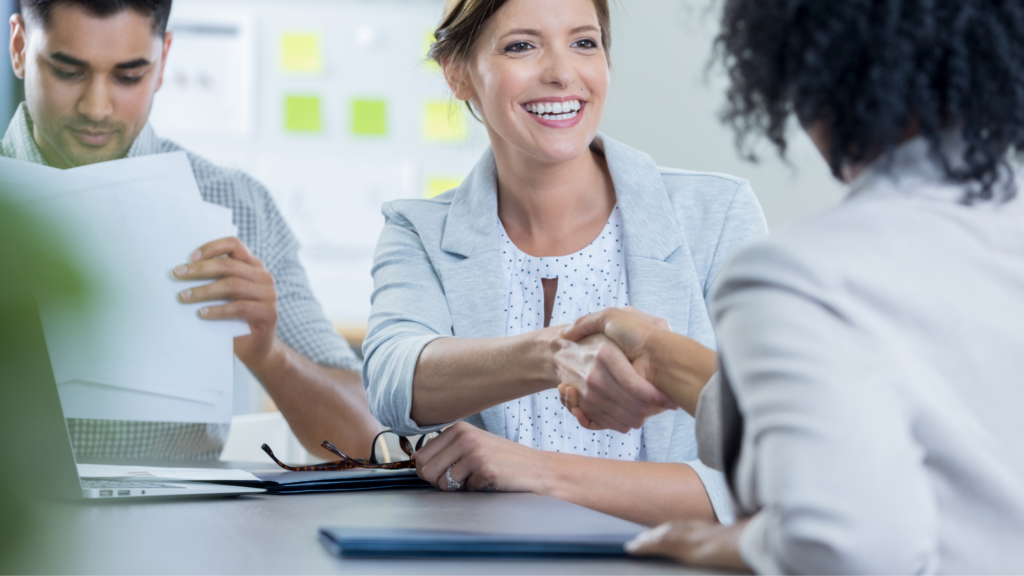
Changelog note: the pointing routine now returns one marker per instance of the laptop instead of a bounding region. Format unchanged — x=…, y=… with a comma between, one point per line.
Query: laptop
x=36, y=444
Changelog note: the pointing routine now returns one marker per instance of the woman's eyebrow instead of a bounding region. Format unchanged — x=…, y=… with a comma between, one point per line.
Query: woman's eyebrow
x=532, y=32
x=522, y=32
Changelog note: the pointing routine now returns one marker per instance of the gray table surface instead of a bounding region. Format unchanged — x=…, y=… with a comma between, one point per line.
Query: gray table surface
x=268, y=534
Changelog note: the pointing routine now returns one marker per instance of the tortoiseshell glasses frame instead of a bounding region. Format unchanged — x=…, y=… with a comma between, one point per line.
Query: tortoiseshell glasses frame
x=349, y=463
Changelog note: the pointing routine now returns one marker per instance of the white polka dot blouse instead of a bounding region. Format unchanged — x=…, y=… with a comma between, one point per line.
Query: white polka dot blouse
x=588, y=281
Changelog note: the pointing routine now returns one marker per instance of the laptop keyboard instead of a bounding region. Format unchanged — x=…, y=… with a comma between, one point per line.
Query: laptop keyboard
x=108, y=484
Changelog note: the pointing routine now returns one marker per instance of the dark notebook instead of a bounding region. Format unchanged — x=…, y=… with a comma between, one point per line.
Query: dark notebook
x=392, y=543
x=286, y=482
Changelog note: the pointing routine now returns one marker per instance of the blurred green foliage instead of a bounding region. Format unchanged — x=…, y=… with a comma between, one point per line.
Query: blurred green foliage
x=32, y=261
x=32, y=258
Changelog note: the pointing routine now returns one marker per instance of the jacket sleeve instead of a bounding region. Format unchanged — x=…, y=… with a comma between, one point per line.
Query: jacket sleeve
x=709, y=424
x=409, y=310
x=829, y=461
x=684, y=450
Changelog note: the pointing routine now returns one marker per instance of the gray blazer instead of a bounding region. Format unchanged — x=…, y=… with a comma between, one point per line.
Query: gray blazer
x=437, y=273
x=874, y=352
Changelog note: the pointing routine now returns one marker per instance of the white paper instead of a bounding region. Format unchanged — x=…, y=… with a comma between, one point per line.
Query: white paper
x=172, y=171
x=136, y=334
x=130, y=245
x=165, y=396
x=138, y=353
x=150, y=473
x=29, y=182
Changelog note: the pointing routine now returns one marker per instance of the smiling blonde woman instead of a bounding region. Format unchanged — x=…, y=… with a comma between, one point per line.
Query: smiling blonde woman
x=556, y=221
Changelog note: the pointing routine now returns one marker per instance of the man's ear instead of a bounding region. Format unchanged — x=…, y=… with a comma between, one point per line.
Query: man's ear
x=458, y=80
x=19, y=41
x=168, y=36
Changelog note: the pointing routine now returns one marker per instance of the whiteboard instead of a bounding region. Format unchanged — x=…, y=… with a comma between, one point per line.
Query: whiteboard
x=331, y=105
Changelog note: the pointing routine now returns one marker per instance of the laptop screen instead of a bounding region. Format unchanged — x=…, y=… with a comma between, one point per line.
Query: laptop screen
x=36, y=450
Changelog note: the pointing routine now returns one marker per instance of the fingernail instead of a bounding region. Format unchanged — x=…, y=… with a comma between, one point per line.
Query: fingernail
x=185, y=294
x=181, y=270
x=204, y=311
x=197, y=255
x=632, y=545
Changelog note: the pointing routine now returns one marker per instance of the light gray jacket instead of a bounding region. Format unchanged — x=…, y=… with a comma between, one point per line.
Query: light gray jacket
x=437, y=273
x=876, y=354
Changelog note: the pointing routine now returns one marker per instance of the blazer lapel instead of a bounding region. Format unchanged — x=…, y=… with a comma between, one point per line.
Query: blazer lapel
x=473, y=280
x=657, y=256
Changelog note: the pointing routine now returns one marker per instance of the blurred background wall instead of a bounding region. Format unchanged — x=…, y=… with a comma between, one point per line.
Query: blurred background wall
x=666, y=102
x=331, y=105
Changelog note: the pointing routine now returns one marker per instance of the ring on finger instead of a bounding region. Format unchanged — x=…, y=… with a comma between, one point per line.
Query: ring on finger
x=452, y=484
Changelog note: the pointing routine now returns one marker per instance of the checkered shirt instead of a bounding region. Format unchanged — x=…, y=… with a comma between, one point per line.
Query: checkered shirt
x=301, y=321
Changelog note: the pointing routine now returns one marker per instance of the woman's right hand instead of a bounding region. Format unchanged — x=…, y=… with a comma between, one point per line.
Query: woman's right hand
x=612, y=393
x=680, y=371
x=629, y=328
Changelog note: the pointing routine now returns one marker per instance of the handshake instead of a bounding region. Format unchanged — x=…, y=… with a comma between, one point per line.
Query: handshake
x=635, y=368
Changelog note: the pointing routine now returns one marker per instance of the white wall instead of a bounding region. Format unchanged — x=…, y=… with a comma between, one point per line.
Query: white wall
x=664, y=103
x=224, y=97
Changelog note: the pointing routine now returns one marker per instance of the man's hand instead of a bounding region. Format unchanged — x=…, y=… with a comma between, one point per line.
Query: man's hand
x=481, y=460
x=611, y=392
x=241, y=279
x=697, y=543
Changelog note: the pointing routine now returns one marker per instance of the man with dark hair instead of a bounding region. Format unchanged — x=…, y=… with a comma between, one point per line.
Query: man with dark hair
x=91, y=70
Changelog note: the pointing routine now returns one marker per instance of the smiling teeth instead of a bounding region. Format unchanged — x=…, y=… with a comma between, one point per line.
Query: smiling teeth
x=555, y=110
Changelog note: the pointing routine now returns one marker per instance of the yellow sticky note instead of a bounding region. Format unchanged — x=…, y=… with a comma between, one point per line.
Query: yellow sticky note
x=429, y=39
x=369, y=118
x=444, y=121
x=302, y=114
x=440, y=185
x=301, y=53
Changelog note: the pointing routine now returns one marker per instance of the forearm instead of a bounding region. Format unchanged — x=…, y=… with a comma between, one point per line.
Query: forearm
x=319, y=403
x=458, y=377
x=647, y=493
x=680, y=367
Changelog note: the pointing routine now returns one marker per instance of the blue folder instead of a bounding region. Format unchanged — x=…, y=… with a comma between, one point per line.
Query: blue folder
x=399, y=543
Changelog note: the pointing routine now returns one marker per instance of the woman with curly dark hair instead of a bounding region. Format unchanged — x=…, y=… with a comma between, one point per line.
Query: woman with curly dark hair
x=871, y=375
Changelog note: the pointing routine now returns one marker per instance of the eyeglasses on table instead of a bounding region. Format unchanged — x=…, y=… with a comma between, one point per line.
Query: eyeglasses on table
x=380, y=457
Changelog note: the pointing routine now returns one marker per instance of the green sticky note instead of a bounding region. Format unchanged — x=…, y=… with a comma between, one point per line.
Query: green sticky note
x=302, y=114
x=444, y=121
x=369, y=117
x=300, y=53
x=441, y=184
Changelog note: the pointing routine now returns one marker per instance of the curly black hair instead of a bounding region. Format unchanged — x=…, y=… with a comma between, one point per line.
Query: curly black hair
x=875, y=70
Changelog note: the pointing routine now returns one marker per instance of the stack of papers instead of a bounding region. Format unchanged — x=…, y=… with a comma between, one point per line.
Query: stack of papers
x=274, y=481
x=137, y=353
